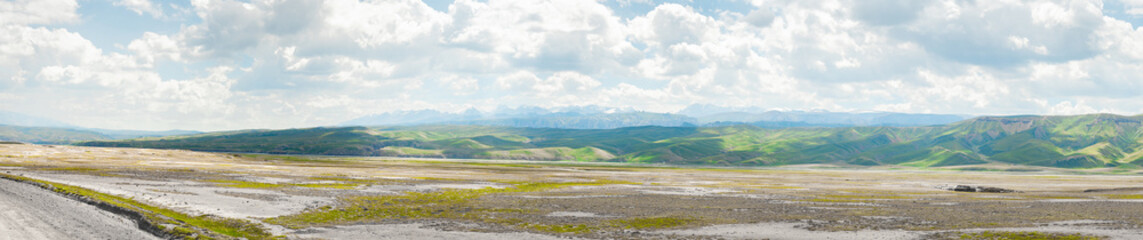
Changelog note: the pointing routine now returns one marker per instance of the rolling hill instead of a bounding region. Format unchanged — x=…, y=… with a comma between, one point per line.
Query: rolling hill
x=18, y=119
x=47, y=135
x=597, y=117
x=58, y=135
x=1086, y=141
x=16, y=127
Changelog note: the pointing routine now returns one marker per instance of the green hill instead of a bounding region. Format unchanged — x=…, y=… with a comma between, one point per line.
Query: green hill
x=1086, y=141
x=47, y=135
x=61, y=135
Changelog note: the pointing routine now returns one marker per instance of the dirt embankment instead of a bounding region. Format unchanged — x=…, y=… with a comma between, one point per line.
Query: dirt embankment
x=30, y=212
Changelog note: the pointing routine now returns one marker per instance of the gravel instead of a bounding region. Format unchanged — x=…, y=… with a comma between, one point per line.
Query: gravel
x=29, y=212
x=407, y=231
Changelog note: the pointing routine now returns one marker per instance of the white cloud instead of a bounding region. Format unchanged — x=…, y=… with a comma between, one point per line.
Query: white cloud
x=38, y=11
x=1055, y=32
x=273, y=63
x=568, y=81
x=152, y=47
x=25, y=50
x=975, y=86
x=558, y=83
x=1133, y=7
x=1022, y=43
x=888, y=12
x=671, y=24
x=377, y=23
x=461, y=85
x=519, y=81
x=1068, y=108
x=362, y=73
x=542, y=35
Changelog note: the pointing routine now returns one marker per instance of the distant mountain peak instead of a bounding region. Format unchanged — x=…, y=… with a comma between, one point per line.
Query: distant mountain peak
x=594, y=116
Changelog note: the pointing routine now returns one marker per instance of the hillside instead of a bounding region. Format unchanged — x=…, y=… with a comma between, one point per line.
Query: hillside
x=1087, y=141
x=56, y=135
x=47, y=135
x=777, y=119
x=599, y=121
x=597, y=117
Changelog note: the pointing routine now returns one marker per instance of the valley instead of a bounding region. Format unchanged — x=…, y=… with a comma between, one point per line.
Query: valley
x=571, y=119
x=257, y=196
x=1098, y=141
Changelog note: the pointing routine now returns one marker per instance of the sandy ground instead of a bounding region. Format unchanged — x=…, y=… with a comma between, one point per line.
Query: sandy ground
x=407, y=231
x=193, y=197
x=797, y=231
x=790, y=231
x=30, y=213
x=774, y=203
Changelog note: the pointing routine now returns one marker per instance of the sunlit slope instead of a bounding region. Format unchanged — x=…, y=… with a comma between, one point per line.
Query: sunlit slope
x=1087, y=141
x=46, y=135
x=1061, y=141
x=61, y=135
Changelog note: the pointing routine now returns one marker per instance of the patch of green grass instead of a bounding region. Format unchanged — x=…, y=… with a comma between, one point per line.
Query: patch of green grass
x=184, y=226
x=870, y=197
x=482, y=164
x=565, y=228
x=998, y=235
x=345, y=186
x=414, y=151
x=262, y=185
x=827, y=200
x=244, y=184
x=498, y=164
x=445, y=204
x=74, y=169
x=289, y=158
x=346, y=179
x=653, y=222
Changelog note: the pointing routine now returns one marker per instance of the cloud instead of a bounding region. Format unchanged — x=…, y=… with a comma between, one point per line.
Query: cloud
x=558, y=83
x=760, y=17
x=25, y=50
x=152, y=47
x=372, y=24
x=461, y=85
x=142, y=6
x=888, y=12
x=671, y=24
x=38, y=12
x=1133, y=7
x=296, y=63
x=983, y=32
x=552, y=36
x=1069, y=108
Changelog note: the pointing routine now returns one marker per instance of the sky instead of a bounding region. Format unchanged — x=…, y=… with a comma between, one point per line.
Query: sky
x=227, y=64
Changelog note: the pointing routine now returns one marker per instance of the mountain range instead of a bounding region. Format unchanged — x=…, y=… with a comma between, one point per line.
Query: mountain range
x=31, y=129
x=596, y=117
x=1084, y=141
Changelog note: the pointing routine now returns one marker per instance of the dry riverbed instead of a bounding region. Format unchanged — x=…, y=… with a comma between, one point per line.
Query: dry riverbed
x=378, y=198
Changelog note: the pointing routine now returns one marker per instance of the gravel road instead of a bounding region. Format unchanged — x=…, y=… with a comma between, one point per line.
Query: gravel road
x=30, y=212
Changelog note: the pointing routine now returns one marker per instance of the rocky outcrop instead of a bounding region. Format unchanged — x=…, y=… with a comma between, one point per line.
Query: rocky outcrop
x=984, y=189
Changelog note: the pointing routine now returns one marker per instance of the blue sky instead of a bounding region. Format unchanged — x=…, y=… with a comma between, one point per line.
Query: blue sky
x=226, y=64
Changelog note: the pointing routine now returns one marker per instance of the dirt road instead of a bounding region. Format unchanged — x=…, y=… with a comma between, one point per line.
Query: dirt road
x=30, y=212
